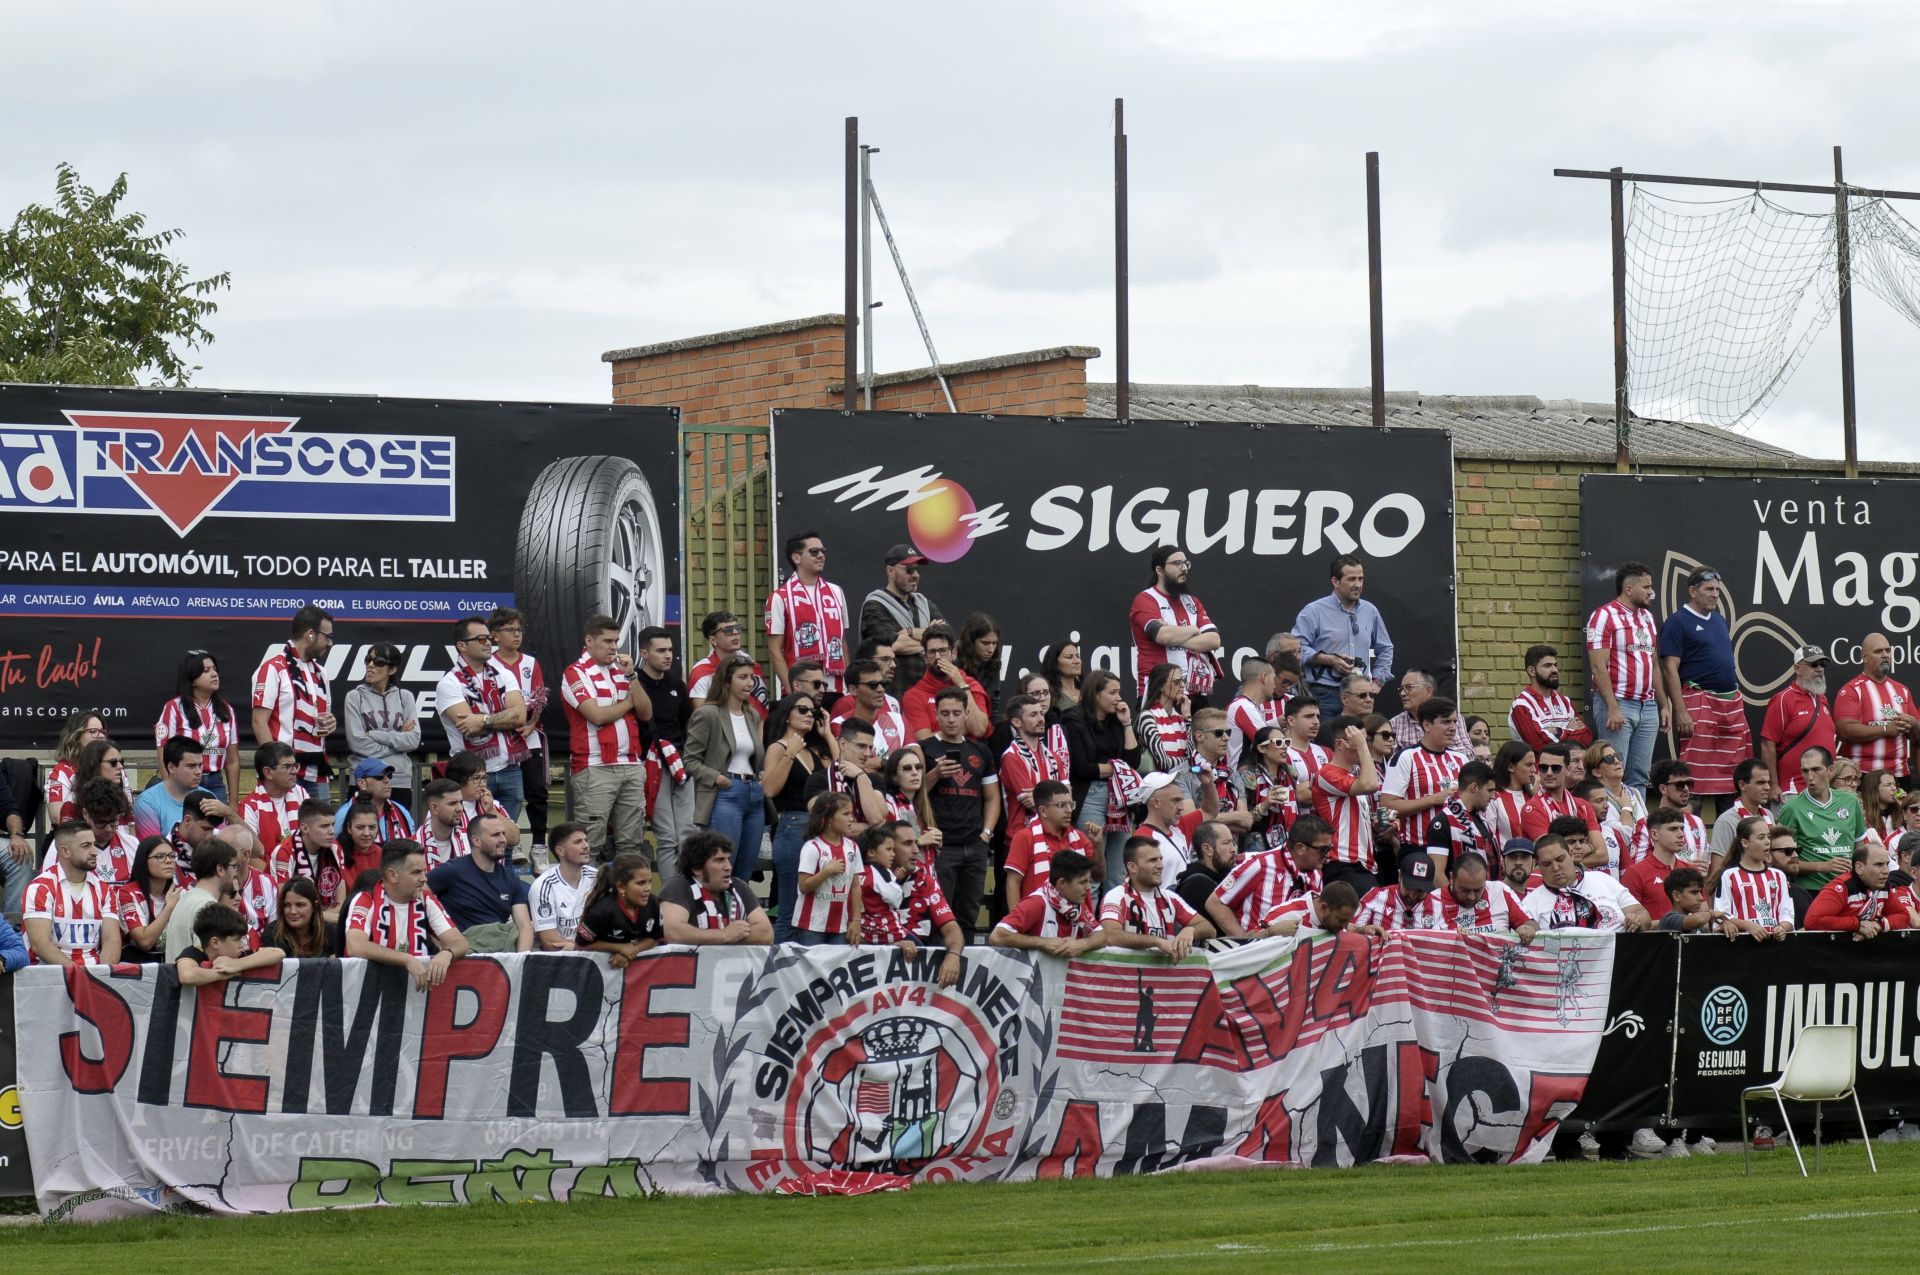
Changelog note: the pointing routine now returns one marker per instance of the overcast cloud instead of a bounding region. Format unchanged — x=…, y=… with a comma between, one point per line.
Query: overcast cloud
x=478, y=199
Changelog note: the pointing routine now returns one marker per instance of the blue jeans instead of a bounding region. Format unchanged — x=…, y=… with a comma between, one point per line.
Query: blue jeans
x=1327, y=696
x=509, y=788
x=1093, y=809
x=13, y=880
x=788, y=836
x=740, y=815
x=1634, y=740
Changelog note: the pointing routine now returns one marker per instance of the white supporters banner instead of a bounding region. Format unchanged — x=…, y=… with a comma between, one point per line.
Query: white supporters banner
x=325, y=1084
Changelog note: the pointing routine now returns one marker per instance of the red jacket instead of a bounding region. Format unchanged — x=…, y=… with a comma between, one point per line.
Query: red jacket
x=1843, y=904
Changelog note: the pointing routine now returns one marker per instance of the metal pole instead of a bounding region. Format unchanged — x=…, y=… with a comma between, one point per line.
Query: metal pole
x=1122, y=371
x=866, y=275
x=1619, y=322
x=1843, y=267
x=850, y=374
x=1375, y=333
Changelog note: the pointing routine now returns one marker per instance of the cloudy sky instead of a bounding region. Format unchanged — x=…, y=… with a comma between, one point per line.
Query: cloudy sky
x=478, y=199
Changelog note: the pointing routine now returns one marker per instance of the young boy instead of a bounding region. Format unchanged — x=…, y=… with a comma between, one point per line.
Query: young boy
x=220, y=949
x=1687, y=909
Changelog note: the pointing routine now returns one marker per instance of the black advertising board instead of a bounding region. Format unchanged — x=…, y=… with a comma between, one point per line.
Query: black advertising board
x=136, y=525
x=1634, y=1066
x=1805, y=560
x=16, y=1175
x=1742, y=1004
x=1047, y=524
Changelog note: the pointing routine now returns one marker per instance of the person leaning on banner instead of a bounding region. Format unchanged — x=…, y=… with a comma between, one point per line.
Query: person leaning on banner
x=1342, y=633
x=1696, y=665
x=620, y=915
x=1327, y=912
x=1798, y=718
x=1687, y=910
x=1143, y=916
x=1057, y=918
x=219, y=950
x=485, y=898
x=896, y=615
x=704, y=904
x=1860, y=902
x=1571, y=897
x=396, y=921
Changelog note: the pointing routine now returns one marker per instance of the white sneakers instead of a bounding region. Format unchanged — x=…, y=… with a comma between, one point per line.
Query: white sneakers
x=1902, y=1132
x=1647, y=1145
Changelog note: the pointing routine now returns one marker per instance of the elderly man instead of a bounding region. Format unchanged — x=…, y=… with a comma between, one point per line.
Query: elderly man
x=1342, y=633
x=1416, y=688
x=1797, y=719
x=1696, y=662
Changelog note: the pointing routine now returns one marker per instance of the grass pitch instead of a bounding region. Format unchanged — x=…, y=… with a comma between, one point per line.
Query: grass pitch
x=1699, y=1212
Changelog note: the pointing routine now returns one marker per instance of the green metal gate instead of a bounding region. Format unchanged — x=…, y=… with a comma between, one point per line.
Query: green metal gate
x=726, y=498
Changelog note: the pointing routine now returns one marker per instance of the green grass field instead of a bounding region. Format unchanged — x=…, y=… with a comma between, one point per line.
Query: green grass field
x=1698, y=1212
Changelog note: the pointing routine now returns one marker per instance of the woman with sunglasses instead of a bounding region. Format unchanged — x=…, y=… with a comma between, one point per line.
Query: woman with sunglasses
x=100, y=759
x=799, y=766
x=197, y=712
x=1625, y=807
x=905, y=776
x=383, y=722
x=724, y=755
x=1266, y=772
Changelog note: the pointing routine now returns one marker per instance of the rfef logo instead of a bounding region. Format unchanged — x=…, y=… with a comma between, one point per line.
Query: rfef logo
x=1723, y=1015
x=185, y=468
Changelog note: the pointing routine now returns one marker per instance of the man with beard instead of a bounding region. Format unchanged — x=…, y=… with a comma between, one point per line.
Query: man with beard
x=1143, y=916
x=1171, y=626
x=1570, y=897
x=897, y=614
x=1874, y=714
x=1214, y=852
x=1797, y=719
x=1516, y=866
x=1541, y=715
x=67, y=912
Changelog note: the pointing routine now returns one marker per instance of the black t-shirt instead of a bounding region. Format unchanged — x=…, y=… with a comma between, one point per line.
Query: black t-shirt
x=959, y=802
x=671, y=707
x=802, y=786
x=193, y=954
x=608, y=921
x=1196, y=885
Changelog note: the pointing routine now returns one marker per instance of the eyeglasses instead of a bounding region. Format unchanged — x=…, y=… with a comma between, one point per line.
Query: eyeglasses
x=1383, y=734
x=510, y=628
x=1363, y=694
x=802, y=710
x=910, y=767
x=912, y=571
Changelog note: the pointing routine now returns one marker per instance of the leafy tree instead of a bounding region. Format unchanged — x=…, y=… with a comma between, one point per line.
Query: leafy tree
x=89, y=297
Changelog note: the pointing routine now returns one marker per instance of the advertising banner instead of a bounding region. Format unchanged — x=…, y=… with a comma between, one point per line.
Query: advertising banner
x=136, y=525
x=335, y=1083
x=1804, y=560
x=1742, y=1006
x=1047, y=524
x=16, y=1175
x=1633, y=1070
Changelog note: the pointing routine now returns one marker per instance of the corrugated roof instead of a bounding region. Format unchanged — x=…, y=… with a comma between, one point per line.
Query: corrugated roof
x=1492, y=426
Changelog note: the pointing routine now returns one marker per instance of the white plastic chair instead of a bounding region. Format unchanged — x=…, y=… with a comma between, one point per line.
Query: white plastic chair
x=1820, y=1070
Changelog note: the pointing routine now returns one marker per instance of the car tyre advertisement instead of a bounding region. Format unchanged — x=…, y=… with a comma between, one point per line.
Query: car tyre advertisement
x=590, y=542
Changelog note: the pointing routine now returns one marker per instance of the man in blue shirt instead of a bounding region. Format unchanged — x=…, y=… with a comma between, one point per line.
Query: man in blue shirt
x=1696, y=661
x=13, y=948
x=156, y=810
x=1342, y=633
x=484, y=897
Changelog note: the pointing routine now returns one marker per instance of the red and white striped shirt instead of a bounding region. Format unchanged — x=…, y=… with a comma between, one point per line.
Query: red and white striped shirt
x=1417, y=773
x=1022, y=767
x=216, y=735
x=113, y=859
x=1307, y=761
x=1696, y=851
x=296, y=696
x=810, y=622
x=400, y=927
x=61, y=787
x=1261, y=882
x=1870, y=700
x=1541, y=718
x=136, y=908
x=1186, y=612
x=825, y=909
x=889, y=726
x=1506, y=813
x=1302, y=906
x=1245, y=719
x=78, y=914
x=618, y=742
x=1046, y=914
x=1350, y=814
x=270, y=817
x=1389, y=908
x=1173, y=732
x=533, y=688
x=1629, y=637
x=1498, y=909
x=1031, y=849
x=1157, y=914
x=1761, y=895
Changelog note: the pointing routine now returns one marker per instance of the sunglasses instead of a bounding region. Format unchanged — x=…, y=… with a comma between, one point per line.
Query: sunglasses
x=1609, y=760
x=1363, y=694
x=1549, y=770
x=871, y=686
x=1217, y=734
x=1679, y=783
x=111, y=761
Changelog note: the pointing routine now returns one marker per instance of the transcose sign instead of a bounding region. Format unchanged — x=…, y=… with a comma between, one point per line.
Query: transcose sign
x=219, y=515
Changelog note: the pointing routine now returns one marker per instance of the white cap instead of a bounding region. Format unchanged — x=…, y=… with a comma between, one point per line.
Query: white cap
x=1153, y=783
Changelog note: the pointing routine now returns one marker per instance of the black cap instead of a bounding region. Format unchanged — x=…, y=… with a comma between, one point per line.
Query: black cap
x=1416, y=871
x=904, y=556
